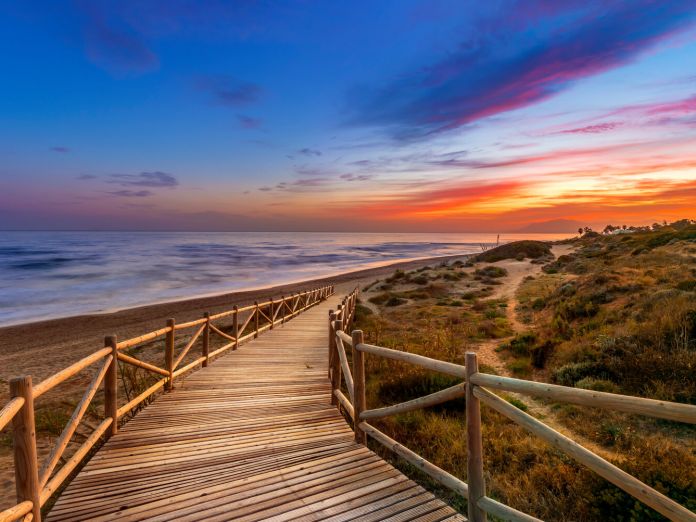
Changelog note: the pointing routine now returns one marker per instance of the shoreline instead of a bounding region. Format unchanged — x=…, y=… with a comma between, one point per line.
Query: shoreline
x=213, y=295
x=41, y=348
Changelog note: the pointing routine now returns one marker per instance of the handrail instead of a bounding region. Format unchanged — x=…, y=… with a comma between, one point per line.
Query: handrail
x=650, y=407
x=456, y=370
x=10, y=410
x=63, y=375
x=339, y=368
x=475, y=388
x=34, y=486
x=433, y=399
x=616, y=476
x=348, y=377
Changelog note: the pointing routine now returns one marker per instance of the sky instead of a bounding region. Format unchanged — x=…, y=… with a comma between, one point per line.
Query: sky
x=376, y=115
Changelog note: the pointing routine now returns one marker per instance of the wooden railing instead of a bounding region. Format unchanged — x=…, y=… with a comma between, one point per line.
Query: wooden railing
x=35, y=481
x=475, y=387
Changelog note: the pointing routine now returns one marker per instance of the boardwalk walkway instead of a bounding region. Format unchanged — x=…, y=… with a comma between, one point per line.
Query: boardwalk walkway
x=251, y=437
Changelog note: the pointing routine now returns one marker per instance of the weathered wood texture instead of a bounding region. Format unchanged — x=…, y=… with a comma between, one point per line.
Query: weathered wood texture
x=252, y=437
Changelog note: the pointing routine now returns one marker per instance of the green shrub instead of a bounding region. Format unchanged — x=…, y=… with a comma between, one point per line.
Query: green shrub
x=361, y=311
x=491, y=271
x=602, y=385
x=395, y=301
x=517, y=403
x=687, y=286
x=380, y=299
x=522, y=344
x=531, y=249
x=570, y=374
x=520, y=367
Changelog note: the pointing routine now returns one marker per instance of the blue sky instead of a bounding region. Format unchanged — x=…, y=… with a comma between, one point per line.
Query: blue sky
x=388, y=115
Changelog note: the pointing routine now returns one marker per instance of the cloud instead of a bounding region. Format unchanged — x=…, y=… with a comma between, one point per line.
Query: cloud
x=144, y=179
x=356, y=177
x=230, y=91
x=526, y=56
x=113, y=43
x=593, y=129
x=311, y=171
x=309, y=152
x=298, y=185
x=131, y=193
x=62, y=150
x=247, y=122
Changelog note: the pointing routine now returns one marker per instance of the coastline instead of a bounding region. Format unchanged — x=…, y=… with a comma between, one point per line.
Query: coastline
x=44, y=347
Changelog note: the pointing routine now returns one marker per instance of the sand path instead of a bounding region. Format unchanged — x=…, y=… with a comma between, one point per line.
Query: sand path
x=486, y=350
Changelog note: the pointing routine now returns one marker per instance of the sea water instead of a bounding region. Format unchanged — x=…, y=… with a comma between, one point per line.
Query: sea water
x=47, y=275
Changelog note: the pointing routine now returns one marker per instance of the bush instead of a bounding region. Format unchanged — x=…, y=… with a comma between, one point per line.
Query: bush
x=570, y=374
x=397, y=276
x=395, y=301
x=658, y=463
x=531, y=249
x=522, y=343
x=361, y=311
x=687, y=286
x=517, y=403
x=491, y=271
x=420, y=280
x=380, y=299
x=540, y=354
x=601, y=385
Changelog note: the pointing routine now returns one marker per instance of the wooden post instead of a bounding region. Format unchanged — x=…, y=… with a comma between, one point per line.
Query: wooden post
x=332, y=349
x=358, y=386
x=256, y=319
x=205, y=350
x=335, y=360
x=24, y=443
x=283, y=307
x=271, y=316
x=111, y=386
x=235, y=327
x=474, y=457
x=169, y=354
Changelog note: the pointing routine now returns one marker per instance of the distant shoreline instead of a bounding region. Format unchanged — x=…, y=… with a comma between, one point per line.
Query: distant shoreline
x=42, y=347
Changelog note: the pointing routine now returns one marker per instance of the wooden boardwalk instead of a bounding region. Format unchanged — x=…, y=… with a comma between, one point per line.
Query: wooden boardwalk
x=252, y=437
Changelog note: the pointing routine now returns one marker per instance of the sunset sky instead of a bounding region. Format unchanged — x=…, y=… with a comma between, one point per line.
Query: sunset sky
x=385, y=115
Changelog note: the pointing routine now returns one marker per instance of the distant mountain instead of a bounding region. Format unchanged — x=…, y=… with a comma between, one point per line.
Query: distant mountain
x=555, y=226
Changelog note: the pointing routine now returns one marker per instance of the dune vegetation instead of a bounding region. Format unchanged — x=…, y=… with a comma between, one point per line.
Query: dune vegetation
x=614, y=312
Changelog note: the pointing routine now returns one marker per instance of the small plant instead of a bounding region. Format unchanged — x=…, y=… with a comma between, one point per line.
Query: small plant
x=520, y=367
x=517, y=403
x=491, y=272
x=395, y=301
x=380, y=299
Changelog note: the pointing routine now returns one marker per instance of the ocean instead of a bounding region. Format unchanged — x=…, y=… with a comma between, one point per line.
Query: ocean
x=45, y=275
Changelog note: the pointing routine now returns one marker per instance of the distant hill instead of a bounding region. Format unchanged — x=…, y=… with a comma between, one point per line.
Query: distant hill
x=555, y=226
